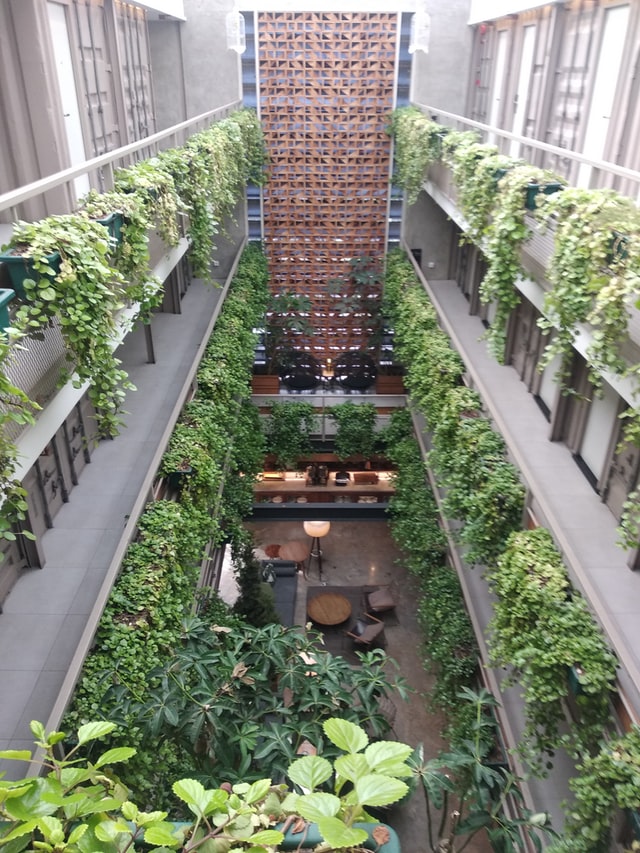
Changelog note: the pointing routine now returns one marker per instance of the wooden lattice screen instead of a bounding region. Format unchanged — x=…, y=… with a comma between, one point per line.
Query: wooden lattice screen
x=326, y=92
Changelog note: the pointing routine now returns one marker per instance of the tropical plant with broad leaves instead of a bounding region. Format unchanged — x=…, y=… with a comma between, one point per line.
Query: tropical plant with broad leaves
x=81, y=807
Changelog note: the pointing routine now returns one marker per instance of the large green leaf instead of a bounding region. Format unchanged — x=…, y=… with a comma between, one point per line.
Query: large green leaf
x=16, y=754
x=192, y=793
x=92, y=731
x=258, y=791
x=378, y=790
x=268, y=837
x=115, y=756
x=345, y=735
x=337, y=835
x=161, y=835
x=31, y=803
x=310, y=771
x=314, y=806
x=352, y=766
x=389, y=757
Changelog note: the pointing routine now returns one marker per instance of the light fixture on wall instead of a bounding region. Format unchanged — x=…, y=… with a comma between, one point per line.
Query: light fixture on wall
x=317, y=530
x=420, y=29
x=236, y=39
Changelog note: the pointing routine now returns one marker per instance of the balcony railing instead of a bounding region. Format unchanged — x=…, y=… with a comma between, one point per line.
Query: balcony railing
x=578, y=169
x=100, y=170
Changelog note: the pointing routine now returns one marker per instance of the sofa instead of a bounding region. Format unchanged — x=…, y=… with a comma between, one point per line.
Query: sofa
x=285, y=588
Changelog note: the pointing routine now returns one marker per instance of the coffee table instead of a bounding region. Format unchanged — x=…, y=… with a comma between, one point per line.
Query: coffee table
x=296, y=551
x=329, y=608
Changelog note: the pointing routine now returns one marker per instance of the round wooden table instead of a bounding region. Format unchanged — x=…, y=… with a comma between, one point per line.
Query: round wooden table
x=329, y=608
x=297, y=551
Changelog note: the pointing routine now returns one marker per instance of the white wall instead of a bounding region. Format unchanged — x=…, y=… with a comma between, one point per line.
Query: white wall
x=487, y=10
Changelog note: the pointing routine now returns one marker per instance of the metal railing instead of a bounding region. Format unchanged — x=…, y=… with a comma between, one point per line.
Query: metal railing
x=577, y=168
x=104, y=165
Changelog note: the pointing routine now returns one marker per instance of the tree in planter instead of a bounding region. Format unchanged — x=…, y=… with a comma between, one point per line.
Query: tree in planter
x=286, y=319
x=236, y=700
x=82, y=296
x=288, y=430
x=356, y=429
x=541, y=628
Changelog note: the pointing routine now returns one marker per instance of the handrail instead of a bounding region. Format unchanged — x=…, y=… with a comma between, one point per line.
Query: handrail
x=529, y=142
x=13, y=197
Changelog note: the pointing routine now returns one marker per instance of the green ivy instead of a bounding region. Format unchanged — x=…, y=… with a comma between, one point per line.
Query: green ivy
x=540, y=629
x=606, y=782
x=143, y=620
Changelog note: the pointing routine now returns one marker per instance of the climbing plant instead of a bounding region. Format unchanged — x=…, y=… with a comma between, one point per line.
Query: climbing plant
x=541, y=628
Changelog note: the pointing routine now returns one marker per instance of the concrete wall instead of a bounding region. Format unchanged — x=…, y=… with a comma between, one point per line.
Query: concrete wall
x=210, y=71
x=440, y=78
x=428, y=229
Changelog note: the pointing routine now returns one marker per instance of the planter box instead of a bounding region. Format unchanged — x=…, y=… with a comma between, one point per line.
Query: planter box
x=265, y=384
x=533, y=189
x=573, y=679
x=390, y=385
x=113, y=223
x=20, y=268
x=176, y=479
x=312, y=838
x=5, y=298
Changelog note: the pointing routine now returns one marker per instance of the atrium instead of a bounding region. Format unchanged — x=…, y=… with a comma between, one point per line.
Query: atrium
x=374, y=265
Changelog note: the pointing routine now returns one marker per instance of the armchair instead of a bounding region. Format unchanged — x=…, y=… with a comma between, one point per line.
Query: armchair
x=366, y=631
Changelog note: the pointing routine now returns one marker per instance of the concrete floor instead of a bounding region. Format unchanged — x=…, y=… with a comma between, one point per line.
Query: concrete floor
x=362, y=553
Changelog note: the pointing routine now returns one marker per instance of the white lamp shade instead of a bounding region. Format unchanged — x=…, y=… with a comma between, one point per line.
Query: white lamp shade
x=236, y=39
x=317, y=529
x=420, y=32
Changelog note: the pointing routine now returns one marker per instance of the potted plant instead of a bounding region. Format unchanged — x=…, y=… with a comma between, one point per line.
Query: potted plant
x=255, y=817
x=6, y=297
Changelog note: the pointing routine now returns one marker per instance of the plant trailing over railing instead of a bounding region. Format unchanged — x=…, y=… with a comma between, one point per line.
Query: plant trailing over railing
x=475, y=167
x=416, y=141
x=130, y=254
x=15, y=408
x=595, y=276
x=483, y=489
x=288, y=429
x=541, y=629
x=210, y=173
x=504, y=235
x=356, y=429
x=81, y=294
x=606, y=782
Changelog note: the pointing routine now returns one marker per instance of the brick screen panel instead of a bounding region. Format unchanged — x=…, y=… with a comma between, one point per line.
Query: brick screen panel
x=326, y=92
